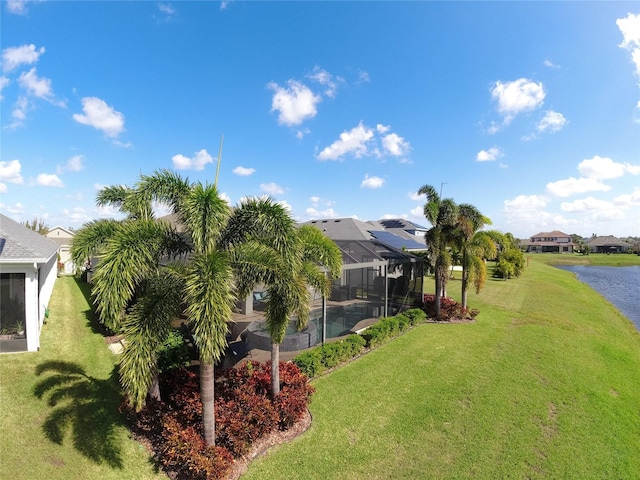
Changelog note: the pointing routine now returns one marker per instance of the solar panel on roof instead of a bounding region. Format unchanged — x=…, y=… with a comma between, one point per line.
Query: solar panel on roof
x=397, y=242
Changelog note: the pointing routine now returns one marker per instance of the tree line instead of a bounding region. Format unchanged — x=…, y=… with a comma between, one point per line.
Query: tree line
x=456, y=233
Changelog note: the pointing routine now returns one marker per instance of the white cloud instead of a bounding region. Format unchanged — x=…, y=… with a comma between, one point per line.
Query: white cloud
x=552, y=121
x=382, y=128
x=13, y=57
x=314, y=213
x=101, y=116
x=417, y=197
x=417, y=212
x=49, y=180
x=353, y=142
x=17, y=7
x=588, y=204
x=16, y=209
x=572, y=186
x=34, y=85
x=3, y=187
x=526, y=202
x=4, y=81
x=363, y=77
x=550, y=64
x=627, y=200
x=271, y=188
x=10, y=172
x=372, y=182
x=301, y=133
x=489, y=155
x=166, y=8
x=74, y=164
x=601, y=168
x=395, y=145
x=513, y=98
x=327, y=80
x=198, y=162
x=630, y=29
x=243, y=171
x=294, y=103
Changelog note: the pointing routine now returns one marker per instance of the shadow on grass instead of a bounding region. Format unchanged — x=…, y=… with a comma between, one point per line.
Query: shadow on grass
x=83, y=407
x=90, y=315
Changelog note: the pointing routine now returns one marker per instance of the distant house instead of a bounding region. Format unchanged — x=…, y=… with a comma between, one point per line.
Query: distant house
x=609, y=244
x=549, y=242
x=28, y=270
x=64, y=238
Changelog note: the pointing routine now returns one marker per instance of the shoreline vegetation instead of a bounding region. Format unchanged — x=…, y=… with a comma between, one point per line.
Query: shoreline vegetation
x=539, y=387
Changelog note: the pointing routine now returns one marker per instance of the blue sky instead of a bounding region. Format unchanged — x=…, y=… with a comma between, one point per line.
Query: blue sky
x=528, y=110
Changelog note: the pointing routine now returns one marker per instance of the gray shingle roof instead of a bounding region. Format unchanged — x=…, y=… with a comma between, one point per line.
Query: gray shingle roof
x=19, y=244
x=608, y=240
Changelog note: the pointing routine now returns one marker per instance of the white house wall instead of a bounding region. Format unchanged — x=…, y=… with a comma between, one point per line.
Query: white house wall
x=38, y=285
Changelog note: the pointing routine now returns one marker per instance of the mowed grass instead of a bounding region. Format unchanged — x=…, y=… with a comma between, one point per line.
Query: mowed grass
x=544, y=385
x=59, y=406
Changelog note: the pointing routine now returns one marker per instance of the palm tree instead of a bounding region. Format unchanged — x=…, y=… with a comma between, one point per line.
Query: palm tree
x=469, y=221
x=442, y=214
x=480, y=248
x=299, y=259
x=147, y=263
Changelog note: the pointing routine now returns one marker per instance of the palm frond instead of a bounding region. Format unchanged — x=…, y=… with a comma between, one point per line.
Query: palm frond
x=205, y=214
x=129, y=256
x=209, y=299
x=144, y=330
x=91, y=238
x=320, y=249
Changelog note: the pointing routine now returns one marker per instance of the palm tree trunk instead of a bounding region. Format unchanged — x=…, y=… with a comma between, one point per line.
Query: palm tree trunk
x=206, y=395
x=438, y=289
x=465, y=279
x=154, y=388
x=275, y=369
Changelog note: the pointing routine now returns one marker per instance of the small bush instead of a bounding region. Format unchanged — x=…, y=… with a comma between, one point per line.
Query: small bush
x=449, y=308
x=186, y=453
x=415, y=315
x=174, y=352
x=310, y=362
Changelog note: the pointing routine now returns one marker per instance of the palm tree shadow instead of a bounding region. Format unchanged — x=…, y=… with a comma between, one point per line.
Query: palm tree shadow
x=82, y=408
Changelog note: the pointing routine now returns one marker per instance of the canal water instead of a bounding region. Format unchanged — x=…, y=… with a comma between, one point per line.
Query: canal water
x=619, y=285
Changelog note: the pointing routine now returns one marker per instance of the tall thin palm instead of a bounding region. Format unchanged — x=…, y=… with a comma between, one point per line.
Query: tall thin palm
x=301, y=259
x=442, y=215
x=469, y=221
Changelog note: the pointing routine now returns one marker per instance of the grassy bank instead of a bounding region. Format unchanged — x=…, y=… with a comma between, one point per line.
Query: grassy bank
x=58, y=406
x=596, y=259
x=544, y=385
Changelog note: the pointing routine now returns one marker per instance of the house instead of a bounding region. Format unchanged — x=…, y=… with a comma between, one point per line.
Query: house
x=609, y=244
x=28, y=270
x=549, y=242
x=376, y=264
x=64, y=238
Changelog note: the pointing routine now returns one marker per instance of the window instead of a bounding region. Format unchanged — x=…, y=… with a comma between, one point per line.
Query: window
x=12, y=311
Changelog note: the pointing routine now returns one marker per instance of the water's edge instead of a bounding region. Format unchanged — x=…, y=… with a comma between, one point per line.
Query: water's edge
x=619, y=285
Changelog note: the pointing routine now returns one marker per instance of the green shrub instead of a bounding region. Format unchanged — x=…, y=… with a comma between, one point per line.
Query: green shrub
x=415, y=315
x=174, y=352
x=310, y=362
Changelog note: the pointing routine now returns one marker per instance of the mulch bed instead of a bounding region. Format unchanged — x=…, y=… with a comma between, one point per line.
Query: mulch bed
x=261, y=446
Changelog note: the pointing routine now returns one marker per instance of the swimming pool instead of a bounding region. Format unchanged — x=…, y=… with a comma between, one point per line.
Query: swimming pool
x=340, y=320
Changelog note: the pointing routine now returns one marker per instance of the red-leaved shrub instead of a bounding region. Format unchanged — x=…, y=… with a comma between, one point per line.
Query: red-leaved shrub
x=244, y=412
x=449, y=308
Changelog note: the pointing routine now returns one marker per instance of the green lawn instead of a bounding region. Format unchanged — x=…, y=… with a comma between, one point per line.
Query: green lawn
x=544, y=385
x=58, y=406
